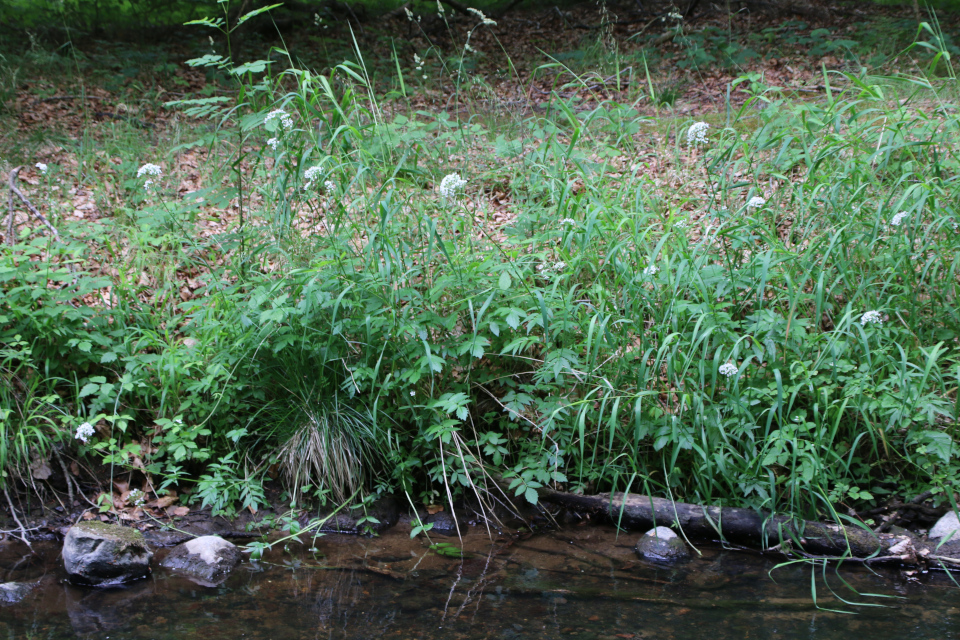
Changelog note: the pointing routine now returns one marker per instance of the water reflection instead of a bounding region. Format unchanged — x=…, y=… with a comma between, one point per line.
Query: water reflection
x=571, y=584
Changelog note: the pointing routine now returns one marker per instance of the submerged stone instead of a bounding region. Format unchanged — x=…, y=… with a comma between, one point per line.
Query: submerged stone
x=662, y=544
x=207, y=560
x=96, y=553
x=14, y=592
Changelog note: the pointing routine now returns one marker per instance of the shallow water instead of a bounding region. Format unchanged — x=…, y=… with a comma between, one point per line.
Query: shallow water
x=577, y=583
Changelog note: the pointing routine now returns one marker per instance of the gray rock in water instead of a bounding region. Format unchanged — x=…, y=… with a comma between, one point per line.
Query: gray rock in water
x=662, y=544
x=101, y=554
x=945, y=526
x=14, y=592
x=206, y=560
x=445, y=523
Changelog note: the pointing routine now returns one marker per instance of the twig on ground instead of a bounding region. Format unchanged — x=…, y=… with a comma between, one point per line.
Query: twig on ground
x=33, y=209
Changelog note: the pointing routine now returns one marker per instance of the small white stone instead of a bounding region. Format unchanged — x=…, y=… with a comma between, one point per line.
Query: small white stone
x=664, y=533
x=945, y=526
x=207, y=547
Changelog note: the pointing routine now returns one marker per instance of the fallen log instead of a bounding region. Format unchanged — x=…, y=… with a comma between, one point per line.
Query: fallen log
x=764, y=531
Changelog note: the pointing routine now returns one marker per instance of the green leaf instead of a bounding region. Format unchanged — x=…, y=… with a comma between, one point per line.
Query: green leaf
x=255, y=13
x=89, y=389
x=531, y=495
x=505, y=281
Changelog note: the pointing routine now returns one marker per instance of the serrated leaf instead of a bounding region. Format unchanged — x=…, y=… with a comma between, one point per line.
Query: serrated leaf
x=505, y=281
x=89, y=389
x=531, y=496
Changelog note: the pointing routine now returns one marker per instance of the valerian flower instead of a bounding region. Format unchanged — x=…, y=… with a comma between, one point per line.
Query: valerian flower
x=651, y=270
x=330, y=186
x=41, y=167
x=871, y=317
x=286, y=122
x=274, y=143
x=85, y=432
x=450, y=185
x=697, y=133
x=312, y=174
x=137, y=497
x=756, y=202
x=151, y=170
x=728, y=369
x=897, y=219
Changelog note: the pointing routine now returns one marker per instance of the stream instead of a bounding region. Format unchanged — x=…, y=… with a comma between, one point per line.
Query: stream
x=581, y=582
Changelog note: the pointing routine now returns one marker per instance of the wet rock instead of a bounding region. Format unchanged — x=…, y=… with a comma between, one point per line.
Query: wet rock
x=384, y=513
x=96, y=553
x=14, y=592
x=207, y=560
x=945, y=526
x=165, y=538
x=662, y=544
x=444, y=523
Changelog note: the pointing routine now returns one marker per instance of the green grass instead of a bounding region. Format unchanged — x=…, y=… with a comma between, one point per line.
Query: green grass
x=392, y=338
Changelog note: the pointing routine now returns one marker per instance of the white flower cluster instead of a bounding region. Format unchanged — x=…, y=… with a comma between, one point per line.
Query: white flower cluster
x=871, y=317
x=651, y=270
x=697, y=133
x=41, y=167
x=274, y=143
x=311, y=174
x=483, y=19
x=897, y=219
x=440, y=10
x=149, y=169
x=450, y=185
x=84, y=432
x=286, y=121
x=556, y=266
x=756, y=202
x=137, y=497
x=728, y=369
x=567, y=221
x=410, y=15
x=330, y=186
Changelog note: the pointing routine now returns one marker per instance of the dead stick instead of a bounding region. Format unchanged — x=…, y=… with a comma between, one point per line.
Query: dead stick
x=32, y=208
x=13, y=178
x=13, y=512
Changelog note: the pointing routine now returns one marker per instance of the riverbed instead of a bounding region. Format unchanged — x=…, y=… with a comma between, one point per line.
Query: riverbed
x=582, y=582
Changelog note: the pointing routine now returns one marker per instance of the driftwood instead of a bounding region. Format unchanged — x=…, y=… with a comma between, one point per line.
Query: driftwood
x=767, y=532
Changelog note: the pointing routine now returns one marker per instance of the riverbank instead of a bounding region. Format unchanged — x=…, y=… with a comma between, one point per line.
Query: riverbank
x=359, y=282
